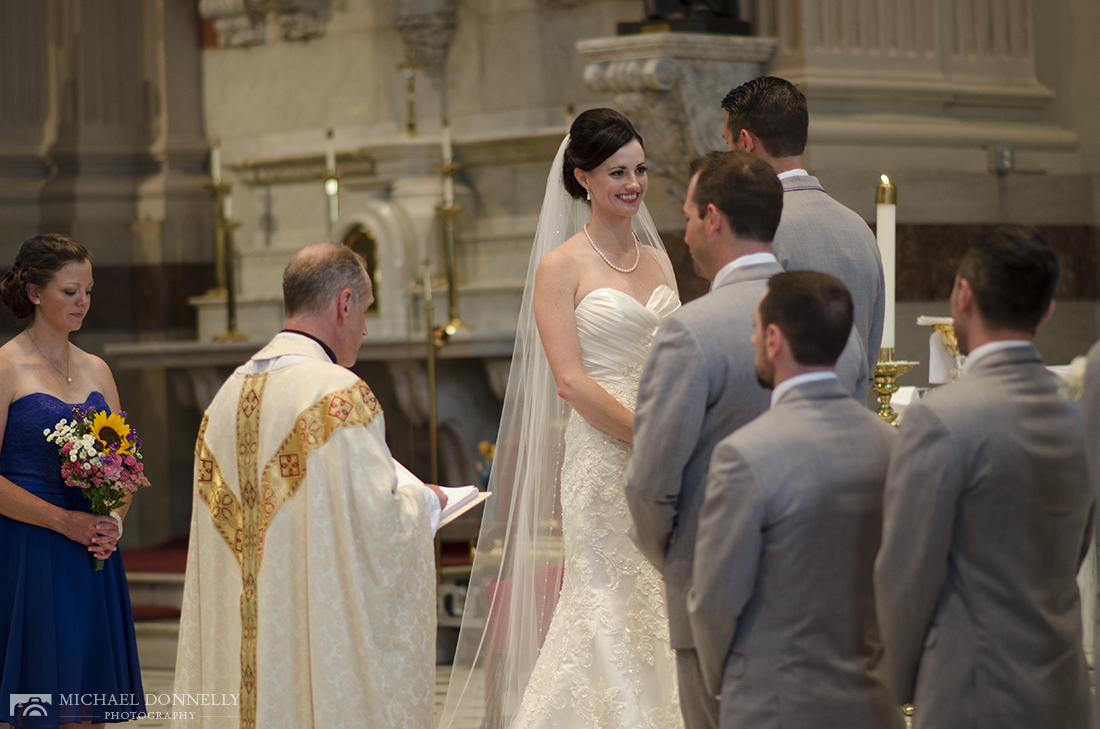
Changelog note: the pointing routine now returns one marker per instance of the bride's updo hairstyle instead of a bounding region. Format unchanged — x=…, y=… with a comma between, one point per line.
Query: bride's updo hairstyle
x=595, y=135
x=38, y=260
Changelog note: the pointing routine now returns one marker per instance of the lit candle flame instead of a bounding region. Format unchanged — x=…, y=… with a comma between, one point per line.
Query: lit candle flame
x=885, y=180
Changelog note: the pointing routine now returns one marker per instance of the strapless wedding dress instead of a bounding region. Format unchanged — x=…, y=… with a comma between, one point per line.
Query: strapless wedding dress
x=606, y=661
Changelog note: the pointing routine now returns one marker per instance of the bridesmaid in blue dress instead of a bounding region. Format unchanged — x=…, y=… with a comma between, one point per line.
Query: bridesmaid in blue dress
x=66, y=632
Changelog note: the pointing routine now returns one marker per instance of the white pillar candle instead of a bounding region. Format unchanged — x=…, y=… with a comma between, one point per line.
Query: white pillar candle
x=216, y=162
x=886, y=199
x=448, y=177
x=330, y=154
x=227, y=207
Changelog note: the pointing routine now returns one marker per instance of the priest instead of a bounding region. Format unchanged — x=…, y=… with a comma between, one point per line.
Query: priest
x=310, y=591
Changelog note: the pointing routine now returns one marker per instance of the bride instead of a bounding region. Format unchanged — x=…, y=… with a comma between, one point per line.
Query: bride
x=595, y=653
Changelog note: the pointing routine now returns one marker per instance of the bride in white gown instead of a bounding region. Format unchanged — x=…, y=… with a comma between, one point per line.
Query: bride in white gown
x=597, y=292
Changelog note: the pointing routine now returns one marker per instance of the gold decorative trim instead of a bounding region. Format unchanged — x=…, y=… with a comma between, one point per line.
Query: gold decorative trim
x=284, y=473
x=243, y=522
x=225, y=508
x=248, y=456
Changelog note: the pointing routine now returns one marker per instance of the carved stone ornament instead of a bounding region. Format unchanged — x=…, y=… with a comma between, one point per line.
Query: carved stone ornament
x=671, y=86
x=427, y=27
x=240, y=23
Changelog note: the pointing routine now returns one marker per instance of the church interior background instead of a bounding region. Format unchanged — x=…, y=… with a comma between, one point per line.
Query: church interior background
x=979, y=111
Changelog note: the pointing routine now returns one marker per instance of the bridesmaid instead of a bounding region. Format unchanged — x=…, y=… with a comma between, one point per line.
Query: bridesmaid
x=64, y=629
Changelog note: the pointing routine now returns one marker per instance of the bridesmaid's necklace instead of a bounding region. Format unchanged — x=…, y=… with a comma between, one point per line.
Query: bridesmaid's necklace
x=637, y=253
x=64, y=374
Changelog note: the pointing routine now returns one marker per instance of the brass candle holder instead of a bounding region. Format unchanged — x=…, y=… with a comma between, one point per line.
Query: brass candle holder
x=448, y=211
x=885, y=383
x=225, y=263
x=408, y=69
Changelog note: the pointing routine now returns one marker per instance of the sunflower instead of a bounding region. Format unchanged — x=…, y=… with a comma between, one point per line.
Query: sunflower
x=111, y=430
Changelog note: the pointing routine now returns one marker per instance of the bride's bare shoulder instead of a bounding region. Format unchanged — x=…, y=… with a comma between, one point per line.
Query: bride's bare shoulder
x=564, y=261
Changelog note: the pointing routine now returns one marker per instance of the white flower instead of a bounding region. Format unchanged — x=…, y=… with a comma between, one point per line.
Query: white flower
x=46, y=432
x=87, y=467
x=72, y=457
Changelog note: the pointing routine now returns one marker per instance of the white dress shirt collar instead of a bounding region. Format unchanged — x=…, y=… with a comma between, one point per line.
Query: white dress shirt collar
x=783, y=387
x=751, y=259
x=989, y=348
x=797, y=172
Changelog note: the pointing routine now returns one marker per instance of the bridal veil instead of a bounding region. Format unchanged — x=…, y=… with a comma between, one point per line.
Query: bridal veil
x=517, y=567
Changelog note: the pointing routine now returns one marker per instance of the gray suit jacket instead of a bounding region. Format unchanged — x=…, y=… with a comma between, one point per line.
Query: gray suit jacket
x=781, y=604
x=698, y=385
x=816, y=233
x=988, y=514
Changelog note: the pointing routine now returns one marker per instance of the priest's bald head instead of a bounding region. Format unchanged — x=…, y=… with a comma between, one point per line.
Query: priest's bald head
x=326, y=293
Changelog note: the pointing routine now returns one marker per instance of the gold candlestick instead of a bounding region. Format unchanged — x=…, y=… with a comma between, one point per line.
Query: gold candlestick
x=408, y=68
x=886, y=373
x=449, y=210
x=225, y=264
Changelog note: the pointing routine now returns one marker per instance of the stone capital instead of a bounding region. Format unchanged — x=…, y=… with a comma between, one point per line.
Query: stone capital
x=671, y=85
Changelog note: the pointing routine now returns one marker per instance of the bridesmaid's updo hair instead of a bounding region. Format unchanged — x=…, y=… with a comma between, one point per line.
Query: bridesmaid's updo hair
x=595, y=135
x=38, y=260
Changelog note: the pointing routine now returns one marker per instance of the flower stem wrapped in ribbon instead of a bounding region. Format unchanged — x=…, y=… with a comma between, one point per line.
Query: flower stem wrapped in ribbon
x=100, y=455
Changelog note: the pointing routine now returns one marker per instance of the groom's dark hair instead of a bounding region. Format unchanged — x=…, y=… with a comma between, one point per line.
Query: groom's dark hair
x=774, y=111
x=814, y=312
x=744, y=188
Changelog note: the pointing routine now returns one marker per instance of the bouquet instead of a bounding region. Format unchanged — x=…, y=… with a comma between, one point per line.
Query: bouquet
x=100, y=456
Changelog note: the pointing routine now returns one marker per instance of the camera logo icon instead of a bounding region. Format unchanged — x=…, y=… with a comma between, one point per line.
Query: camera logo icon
x=33, y=704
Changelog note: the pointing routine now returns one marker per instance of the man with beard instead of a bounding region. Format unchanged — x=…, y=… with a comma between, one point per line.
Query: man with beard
x=781, y=605
x=988, y=515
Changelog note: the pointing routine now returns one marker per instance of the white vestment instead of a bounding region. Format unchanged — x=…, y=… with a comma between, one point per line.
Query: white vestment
x=300, y=533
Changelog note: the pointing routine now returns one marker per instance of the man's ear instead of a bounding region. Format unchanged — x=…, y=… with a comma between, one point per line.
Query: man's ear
x=714, y=220
x=747, y=141
x=345, y=301
x=774, y=341
x=964, y=295
x=1047, y=314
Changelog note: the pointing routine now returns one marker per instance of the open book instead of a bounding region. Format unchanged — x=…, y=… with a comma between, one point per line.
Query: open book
x=460, y=499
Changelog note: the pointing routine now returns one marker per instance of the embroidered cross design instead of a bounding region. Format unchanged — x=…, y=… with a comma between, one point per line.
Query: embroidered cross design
x=289, y=466
x=340, y=408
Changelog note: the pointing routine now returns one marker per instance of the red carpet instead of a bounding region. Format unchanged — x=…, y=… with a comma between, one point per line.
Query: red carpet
x=168, y=557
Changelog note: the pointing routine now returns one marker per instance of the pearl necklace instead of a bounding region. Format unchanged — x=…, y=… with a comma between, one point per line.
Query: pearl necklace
x=637, y=253
x=64, y=374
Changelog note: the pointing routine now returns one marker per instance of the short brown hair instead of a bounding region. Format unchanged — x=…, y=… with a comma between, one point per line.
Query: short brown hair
x=313, y=278
x=1013, y=272
x=814, y=312
x=774, y=111
x=744, y=188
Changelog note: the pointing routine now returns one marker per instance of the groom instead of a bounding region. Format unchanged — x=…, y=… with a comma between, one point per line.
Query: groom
x=699, y=384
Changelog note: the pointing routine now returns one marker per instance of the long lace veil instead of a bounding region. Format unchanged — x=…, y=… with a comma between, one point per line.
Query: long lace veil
x=517, y=568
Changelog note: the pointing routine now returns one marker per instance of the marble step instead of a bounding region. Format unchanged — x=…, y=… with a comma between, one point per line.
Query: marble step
x=156, y=643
